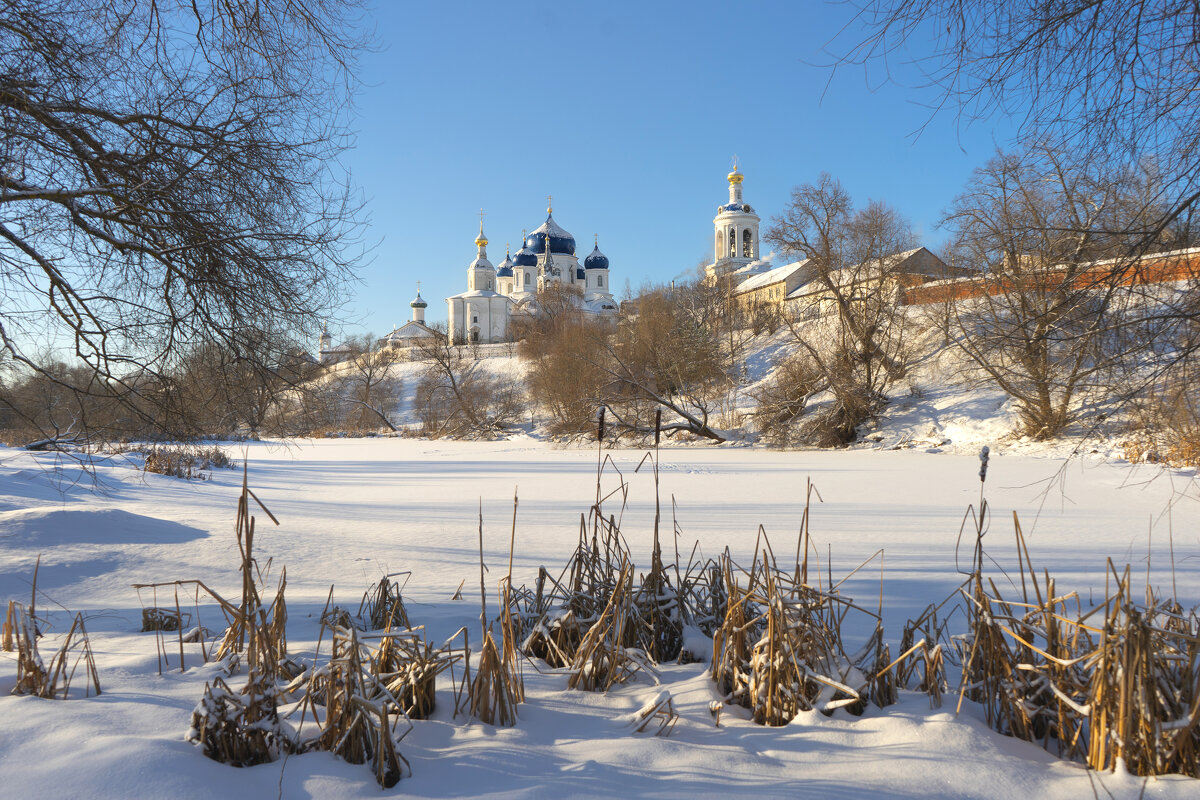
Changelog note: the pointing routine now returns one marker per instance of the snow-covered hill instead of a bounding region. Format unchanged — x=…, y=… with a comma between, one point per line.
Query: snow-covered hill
x=942, y=404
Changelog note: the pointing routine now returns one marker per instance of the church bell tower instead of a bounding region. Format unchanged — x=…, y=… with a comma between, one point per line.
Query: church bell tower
x=735, y=231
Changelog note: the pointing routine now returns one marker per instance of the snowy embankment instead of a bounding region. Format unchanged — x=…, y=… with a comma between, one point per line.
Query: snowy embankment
x=943, y=404
x=353, y=510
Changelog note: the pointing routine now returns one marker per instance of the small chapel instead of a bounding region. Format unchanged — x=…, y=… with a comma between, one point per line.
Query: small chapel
x=497, y=295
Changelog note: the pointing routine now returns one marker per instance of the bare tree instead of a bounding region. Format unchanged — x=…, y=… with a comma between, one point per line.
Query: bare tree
x=455, y=396
x=562, y=375
x=368, y=382
x=38, y=412
x=169, y=179
x=1047, y=322
x=1114, y=80
x=659, y=356
x=855, y=337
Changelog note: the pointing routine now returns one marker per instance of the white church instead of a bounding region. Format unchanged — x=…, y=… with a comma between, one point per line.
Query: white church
x=496, y=295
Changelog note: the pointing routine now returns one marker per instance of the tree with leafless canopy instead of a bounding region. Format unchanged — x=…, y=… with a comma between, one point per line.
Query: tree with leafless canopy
x=1112, y=83
x=1047, y=324
x=1105, y=79
x=847, y=323
x=169, y=180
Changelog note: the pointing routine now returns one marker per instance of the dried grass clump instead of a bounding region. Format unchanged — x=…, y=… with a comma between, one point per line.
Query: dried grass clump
x=1118, y=683
x=596, y=588
x=363, y=695
x=240, y=728
x=161, y=619
x=921, y=665
x=355, y=728
x=407, y=667
x=498, y=687
x=183, y=461
x=779, y=650
x=20, y=633
x=1167, y=422
x=604, y=658
x=382, y=606
x=35, y=677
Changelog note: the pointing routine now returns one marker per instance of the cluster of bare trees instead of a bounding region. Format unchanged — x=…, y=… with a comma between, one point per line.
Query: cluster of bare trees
x=207, y=391
x=1056, y=324
x=853, y=345
x=169, y=189
x=662, y=353
x=457, y=396
x=1104, y=164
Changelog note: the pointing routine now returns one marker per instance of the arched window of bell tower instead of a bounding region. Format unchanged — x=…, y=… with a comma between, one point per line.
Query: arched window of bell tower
x=732, y=243
x=747, y=244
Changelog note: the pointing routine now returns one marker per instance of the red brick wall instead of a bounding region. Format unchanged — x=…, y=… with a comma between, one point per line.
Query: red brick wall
x=1155, y=270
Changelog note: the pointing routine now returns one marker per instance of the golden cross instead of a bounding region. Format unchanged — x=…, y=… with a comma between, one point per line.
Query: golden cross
x=418, y=287
x=549, y=204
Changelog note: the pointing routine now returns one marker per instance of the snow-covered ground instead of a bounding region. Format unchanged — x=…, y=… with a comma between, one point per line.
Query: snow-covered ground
x=943, y=404
x=352, y=510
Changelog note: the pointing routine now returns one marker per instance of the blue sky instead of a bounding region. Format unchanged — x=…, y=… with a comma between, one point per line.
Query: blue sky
x=629, y=115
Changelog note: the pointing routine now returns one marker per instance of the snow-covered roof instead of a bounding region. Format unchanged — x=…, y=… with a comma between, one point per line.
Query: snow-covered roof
x=753, y=268
x=770, y=276
x=476, y=293
x=411, y=330
x=600, y=305
x=551, y=227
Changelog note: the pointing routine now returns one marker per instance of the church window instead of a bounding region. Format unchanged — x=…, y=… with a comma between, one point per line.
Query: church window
x=732, y=243
x=526, y=278
x=474, y=319
x=746, y=244
x=600, y=281
x=489, y=286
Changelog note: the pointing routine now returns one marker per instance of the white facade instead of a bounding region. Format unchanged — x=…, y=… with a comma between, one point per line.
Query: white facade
x=545, y=261
x=415, y=331
x=480, y=314
x=735, y=232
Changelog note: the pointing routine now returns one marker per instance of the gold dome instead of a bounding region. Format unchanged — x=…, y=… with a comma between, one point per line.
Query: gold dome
x=735, y=176
x=481, y=239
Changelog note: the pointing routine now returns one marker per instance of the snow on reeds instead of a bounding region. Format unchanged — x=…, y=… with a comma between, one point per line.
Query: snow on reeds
x=1116, y=683
x=1112, y=684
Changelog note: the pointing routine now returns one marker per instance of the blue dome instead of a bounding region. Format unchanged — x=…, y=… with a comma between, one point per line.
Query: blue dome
x=596, y=260
x=525, y=257
x=504, y=271
x=561, y=242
